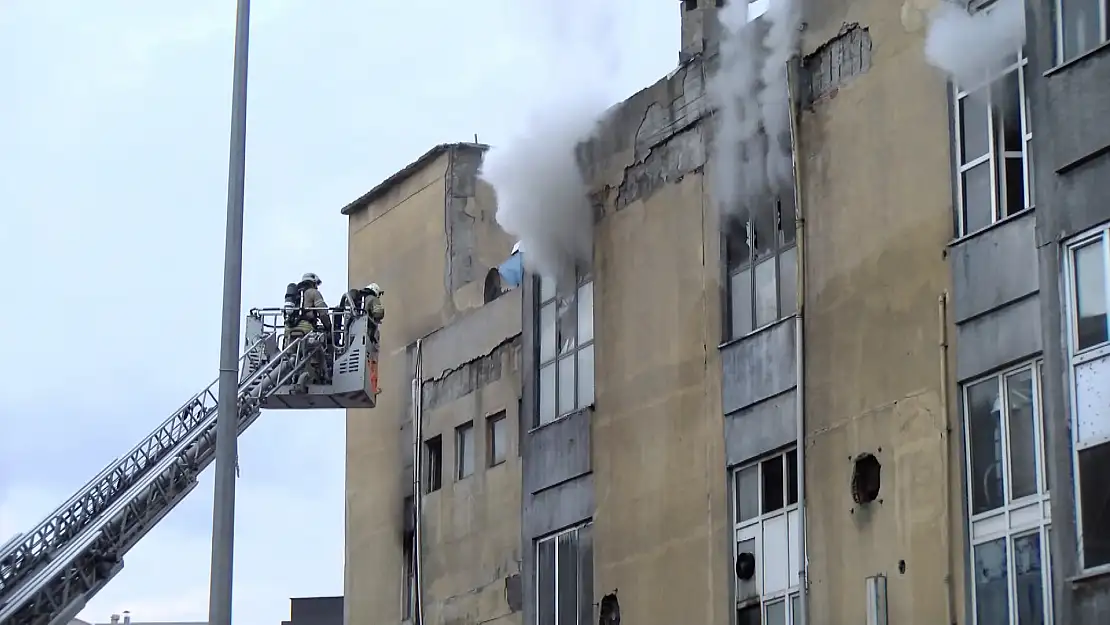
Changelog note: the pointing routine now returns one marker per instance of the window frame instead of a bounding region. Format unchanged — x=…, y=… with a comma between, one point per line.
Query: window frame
x=1015, y=518
x=1058, y=32
x=753, y=528
x=1078, y=357
x=579, y=580
x=464, y=448
x=408, y=577
x=1019, y=64
x=433, y=467
x=492, y=422
x=582, y=281
x=749, y=264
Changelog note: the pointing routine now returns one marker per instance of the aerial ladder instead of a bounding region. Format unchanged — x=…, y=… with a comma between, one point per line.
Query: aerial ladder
x=48, y=574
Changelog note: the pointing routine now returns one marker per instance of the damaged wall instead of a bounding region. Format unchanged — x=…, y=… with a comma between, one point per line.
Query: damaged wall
x=433, y=204
x=876, y=189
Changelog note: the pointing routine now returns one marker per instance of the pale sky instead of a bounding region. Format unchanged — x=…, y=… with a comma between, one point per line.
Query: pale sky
x=114, y=118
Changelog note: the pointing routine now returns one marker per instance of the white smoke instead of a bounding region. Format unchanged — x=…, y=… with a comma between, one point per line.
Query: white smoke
x=751, y=149
x=969, y=48
x=542, y=198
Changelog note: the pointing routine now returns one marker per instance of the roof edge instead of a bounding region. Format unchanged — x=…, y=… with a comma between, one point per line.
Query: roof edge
x=405, y=172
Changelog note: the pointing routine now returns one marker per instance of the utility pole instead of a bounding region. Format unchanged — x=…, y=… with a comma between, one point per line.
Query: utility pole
x=227, y=418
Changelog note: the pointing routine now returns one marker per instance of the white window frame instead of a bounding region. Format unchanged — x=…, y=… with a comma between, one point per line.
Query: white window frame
x=1015, y=518
x=465, y=443
x=754, y=529
x=992, y=156
x=1077, y=357
x=779, y=248
x=555, y=571
x=1058, y=31
x=548, y=295
x=499, y=418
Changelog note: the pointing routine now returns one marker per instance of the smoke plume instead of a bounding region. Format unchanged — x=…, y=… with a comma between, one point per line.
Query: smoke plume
x=971, y=47
x=542, y=198
x=751, y=149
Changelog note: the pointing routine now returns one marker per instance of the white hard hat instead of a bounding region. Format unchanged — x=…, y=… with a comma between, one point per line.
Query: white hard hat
x=311, y=277
x=373, y=288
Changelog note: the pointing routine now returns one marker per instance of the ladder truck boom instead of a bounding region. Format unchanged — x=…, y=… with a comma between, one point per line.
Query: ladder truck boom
x=48, y=574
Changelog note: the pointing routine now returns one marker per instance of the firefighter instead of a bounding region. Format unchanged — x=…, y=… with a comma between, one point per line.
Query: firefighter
x=309, y=315
x=357, y=302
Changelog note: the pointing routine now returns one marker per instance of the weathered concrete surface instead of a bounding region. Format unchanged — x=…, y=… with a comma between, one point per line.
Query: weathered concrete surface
x=657, y=437
x=390, y=243
x=876, y=192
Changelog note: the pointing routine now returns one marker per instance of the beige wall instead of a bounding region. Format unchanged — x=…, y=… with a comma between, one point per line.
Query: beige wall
x=397, y=241
x=877, y=196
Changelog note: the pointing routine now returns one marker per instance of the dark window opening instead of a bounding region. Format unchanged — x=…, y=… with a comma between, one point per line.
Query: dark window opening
x=492, y=289
x=690, y=4
x=791, y=477
x=433, y=464
x=408, y=606
x=497, y=439
x=1094, y=501
x=865, y=478
x=749, y=615
x=773, y=481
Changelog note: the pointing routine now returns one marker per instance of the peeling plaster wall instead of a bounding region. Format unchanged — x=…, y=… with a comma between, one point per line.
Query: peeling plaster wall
x=439, y=206
x=876, y=189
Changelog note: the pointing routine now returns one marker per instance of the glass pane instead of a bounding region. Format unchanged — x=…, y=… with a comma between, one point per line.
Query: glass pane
x=1006, y=105
x=974, y=128
x=766, y=295
x=547, y=288
x=566, y=384
x=748, y=588
x=795, y=609
x=1090, y=286
x=740, y=291
x=788, y=281
x=773, y=484
x=465, y=451
x=567, y=332
x=983, y=409
x=747, y=493
x=992, y=605
x=737, y=252
x=547, y=332
x=545, y=582
x=749, y=615
x=586, y=313
x=776, y=613
x=792, y=477
x=567, y=576
x=1023, y=446
x=586, y=376
x=586, y=576
x=498, y=440
x=1094, y=501
x=1080, y=26
x=977, y=198
x=547, y=394
x=1011, y=184
x=1029, y=580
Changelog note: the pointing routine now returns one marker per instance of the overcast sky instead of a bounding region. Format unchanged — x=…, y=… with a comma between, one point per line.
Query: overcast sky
x=114, y=119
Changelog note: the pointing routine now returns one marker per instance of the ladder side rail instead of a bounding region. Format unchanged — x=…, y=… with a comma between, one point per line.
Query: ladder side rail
x=24, y=555
x=73, y=578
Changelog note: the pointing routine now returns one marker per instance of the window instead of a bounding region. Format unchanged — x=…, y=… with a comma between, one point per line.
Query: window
x=1088, y=288
x=762, y=266
x=565, y=578
x=464, y=450
x=765, y=514
x=1008, y=498
x=497, y=439
x=408, y=598
x=994, y=176
x=1081, y=26
x=566, y=349
x=433, y=463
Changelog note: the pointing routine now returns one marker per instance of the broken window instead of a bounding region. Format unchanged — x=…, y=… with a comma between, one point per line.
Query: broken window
x=433, y=464
x=761, y=258
x=994, y=176
x=767, y=539
x=1008, y=494
x=464, y=450
x=564, y=577
x=1089, y=299
x=497, y=438
x=566, y=349
x=1081, y=27
x=408, y=591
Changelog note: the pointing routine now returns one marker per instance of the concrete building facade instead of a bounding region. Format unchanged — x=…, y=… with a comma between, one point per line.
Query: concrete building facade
x=850, y=406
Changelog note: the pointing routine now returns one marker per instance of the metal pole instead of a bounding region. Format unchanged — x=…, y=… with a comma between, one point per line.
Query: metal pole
x=227, y=430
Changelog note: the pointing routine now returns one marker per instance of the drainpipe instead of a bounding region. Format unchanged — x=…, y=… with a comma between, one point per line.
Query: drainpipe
x=799, y=351
x=417, y=490
x=946, y=450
